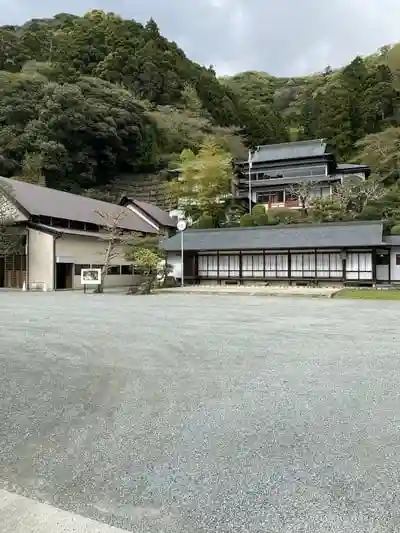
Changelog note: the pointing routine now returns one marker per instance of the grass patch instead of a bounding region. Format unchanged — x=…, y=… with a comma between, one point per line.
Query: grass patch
x=368, y=294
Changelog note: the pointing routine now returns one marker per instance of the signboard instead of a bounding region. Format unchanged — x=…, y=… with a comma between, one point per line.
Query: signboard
x=90, y=276
x=181, y=225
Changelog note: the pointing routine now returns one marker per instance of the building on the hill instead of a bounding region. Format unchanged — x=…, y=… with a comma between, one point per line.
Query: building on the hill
x=272, y=172
x=64, y=233
x=299, y=254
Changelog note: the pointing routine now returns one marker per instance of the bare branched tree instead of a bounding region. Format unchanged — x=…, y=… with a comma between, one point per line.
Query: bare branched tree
x=354, y=195
x=302, y=193
x=115, y=236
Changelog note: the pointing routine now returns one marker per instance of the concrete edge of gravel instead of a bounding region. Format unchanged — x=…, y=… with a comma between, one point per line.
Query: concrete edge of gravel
x=23, y=515
x=249, y=292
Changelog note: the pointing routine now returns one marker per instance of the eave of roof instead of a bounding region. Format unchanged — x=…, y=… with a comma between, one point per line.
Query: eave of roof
x=323, y=178
x=349, y=168
x=290, y=151
x=296, y=236
x=58, y=232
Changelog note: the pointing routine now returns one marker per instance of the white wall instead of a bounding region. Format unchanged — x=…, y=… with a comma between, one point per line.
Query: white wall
x=394, y=269
x=82, y=250
x=41, y=259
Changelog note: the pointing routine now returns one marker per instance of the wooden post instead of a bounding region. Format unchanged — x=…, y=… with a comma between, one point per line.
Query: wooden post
x=373, y=254
x=342, y=253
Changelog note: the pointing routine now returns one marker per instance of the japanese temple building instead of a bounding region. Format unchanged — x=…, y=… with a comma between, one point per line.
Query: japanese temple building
x=62, y=233
x=317, y=254
x=273, y=170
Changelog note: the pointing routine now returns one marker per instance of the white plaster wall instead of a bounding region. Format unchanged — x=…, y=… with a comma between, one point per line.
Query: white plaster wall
x=82, y=250
x=41, y=258
x=394, y=269
x=85, y=250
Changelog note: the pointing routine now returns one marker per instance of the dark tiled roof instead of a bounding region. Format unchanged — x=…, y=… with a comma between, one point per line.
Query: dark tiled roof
x=43, y=201
x=333, y=235
x=292, y=150
x=158, y=215
x=351, y=168
x=392, y=239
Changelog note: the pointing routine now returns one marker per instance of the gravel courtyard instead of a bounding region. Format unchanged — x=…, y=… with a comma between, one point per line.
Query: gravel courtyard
x=203, y=414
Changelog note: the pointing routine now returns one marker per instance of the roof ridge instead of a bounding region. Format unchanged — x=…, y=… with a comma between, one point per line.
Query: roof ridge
x=26, y=183
x=292, y=143
x=291, y=226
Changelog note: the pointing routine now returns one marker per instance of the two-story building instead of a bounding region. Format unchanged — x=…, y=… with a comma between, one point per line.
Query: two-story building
x=272, y=172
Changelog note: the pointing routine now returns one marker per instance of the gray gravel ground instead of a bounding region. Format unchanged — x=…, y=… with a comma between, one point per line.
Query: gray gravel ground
x=202, y=414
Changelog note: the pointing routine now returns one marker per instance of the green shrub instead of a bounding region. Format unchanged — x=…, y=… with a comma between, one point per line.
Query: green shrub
x=284, y=216
x=258, y=210
x=247, y=220
x=204, y=222
x=261, y=220
x=395, y=229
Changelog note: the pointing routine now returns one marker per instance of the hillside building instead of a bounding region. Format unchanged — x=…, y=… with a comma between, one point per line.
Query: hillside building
x=270, y=175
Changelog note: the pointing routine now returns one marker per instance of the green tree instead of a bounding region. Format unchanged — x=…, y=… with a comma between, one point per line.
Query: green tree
x=84, y=133
x=354, y=79
x=334, y=120
x=380, y=99
x=381, y=151
x=386, y=207
x=205, y=222
x=205, y=180
x=32, y=170
x=149, y=260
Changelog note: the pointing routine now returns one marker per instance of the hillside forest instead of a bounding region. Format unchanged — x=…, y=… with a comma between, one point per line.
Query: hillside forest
x=95, y=103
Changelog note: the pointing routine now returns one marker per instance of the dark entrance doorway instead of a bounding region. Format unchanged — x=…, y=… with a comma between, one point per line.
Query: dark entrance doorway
x=13, y=271
x=64, y=275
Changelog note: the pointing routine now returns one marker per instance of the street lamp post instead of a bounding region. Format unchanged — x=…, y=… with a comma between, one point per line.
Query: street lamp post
x=250, y=161
x=181, y=227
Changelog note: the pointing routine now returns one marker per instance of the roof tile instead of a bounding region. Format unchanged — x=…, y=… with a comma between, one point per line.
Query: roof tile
x=48, y=202
x=300, y=236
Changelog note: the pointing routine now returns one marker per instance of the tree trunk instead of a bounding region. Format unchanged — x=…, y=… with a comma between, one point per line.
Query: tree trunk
x=104, y=272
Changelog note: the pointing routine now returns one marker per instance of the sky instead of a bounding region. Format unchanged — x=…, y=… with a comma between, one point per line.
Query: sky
x=281, y=37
